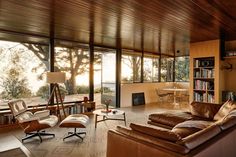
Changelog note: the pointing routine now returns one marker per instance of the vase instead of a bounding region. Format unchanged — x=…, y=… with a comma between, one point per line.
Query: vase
x=107, y=107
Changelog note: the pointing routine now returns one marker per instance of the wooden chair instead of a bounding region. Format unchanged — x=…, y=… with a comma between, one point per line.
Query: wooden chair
x=32, y=123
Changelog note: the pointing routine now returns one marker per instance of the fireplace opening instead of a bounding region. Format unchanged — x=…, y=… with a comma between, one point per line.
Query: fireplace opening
x=138, y=99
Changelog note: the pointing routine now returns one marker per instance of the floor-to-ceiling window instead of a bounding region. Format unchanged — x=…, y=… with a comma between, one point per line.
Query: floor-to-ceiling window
x=167, y=64
x=150, y=68
x=130, y=67
x=182, y=68
x=104, y=75
x=73, y=59
x=23, y=67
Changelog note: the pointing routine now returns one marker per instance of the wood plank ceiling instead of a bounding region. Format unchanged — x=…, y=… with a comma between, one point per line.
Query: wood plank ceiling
x=156, y=25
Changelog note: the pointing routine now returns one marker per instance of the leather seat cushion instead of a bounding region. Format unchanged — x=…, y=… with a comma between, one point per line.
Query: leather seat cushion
x=184, y=132
x=189, y=127
x=170, y=118
x=225, y=109
x=204, y=110
x=75, y=121
x=156, y=132
x=200, y=137
x=152, y=140
x=228, y=121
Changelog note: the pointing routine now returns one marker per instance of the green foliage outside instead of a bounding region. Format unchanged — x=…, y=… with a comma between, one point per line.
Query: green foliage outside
x=85, y=90
x=97, y=90
x=82, y=89
x=14, y=87
x=182, y=69
x=43, y=91
x=13, y=83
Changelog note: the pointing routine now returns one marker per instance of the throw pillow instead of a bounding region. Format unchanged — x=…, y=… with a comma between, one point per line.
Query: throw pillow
x=156, y=132
x=204, y=110
x=225, y=109
x=187, y=128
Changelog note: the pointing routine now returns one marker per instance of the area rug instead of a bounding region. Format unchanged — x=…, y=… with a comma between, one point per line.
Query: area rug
x=16, y=152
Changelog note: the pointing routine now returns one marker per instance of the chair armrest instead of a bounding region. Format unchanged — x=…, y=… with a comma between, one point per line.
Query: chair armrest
x=29, y=120
x=41, y=114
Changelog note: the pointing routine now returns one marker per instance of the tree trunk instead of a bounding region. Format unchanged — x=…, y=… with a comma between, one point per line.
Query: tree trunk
x=70, y=84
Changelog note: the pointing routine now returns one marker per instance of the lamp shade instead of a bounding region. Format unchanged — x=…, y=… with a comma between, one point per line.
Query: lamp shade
x=56, y=77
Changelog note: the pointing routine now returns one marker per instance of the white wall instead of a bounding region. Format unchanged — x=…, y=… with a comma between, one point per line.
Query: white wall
x=147, y=88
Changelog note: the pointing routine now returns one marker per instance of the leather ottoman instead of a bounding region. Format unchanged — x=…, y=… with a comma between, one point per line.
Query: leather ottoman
x=75, y=121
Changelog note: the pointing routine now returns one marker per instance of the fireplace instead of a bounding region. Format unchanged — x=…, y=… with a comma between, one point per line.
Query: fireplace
x=138, y=99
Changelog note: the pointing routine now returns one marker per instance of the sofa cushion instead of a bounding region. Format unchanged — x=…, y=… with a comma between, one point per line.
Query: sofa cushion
x=170, y=118
x=228, y=121
x=200, y=124
x=137, y=136
x=204, y=110
x=225, y=109
x=156, y=132
x=200, y=137
x=189, y=127
x=184, y=132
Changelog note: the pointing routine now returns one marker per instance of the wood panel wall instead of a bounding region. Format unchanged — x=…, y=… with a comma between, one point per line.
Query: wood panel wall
x=230, y=75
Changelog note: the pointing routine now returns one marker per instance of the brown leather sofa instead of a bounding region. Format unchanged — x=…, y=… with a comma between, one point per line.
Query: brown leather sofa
x=209, y=130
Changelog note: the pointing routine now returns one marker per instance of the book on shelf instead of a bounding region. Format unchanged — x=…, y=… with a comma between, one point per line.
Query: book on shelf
x=203, y=85
x=196, y=63
x=204, y=97
x=204, y=73
x=208, y=73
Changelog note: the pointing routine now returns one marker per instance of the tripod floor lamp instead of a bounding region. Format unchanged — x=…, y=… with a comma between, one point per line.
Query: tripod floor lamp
x=55, y=78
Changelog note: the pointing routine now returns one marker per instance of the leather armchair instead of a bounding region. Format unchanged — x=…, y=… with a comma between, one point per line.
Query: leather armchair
x=32, y=123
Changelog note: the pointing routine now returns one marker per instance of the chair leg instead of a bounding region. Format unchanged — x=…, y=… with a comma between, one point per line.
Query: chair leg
x=38, y=134
x=28, y=137
x=77, y=134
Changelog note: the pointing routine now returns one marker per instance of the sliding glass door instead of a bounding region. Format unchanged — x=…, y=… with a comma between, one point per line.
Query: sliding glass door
x=105, y=76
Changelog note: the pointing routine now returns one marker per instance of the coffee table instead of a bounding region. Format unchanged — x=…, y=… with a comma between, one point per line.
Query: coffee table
x=107, y=116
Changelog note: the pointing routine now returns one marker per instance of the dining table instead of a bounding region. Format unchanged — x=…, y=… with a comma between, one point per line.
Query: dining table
x=175, y=90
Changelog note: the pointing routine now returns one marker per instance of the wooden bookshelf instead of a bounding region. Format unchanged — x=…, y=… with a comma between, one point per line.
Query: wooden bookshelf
x=206, y=50
x=203, y=79
x=230, y=57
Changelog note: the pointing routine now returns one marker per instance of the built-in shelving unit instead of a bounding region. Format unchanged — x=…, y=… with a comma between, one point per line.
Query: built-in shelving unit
x=204, y=79
x=230, y=57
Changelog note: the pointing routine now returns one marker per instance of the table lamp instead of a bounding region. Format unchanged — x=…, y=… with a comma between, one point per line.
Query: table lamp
x=55, y=78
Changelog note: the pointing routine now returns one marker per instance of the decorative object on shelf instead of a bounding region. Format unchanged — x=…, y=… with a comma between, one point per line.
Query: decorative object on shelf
x=230, y=53
x=107, y=103
x=227, y=66
x=85, y=99
x=55, y=78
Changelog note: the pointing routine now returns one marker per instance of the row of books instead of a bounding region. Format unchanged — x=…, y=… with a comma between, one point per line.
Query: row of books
x=204, y=97
x=205, y=73
x=203, y=85
x=204, y=63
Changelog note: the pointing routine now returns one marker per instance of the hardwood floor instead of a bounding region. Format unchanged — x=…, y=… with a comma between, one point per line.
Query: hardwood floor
x=94, y=144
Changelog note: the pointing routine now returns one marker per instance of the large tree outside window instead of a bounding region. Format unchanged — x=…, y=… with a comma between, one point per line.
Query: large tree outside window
x=74, y=61
x=167, y=69
x=150, y=69
x=22, y=68
x=182, y=68
x=131, y=68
